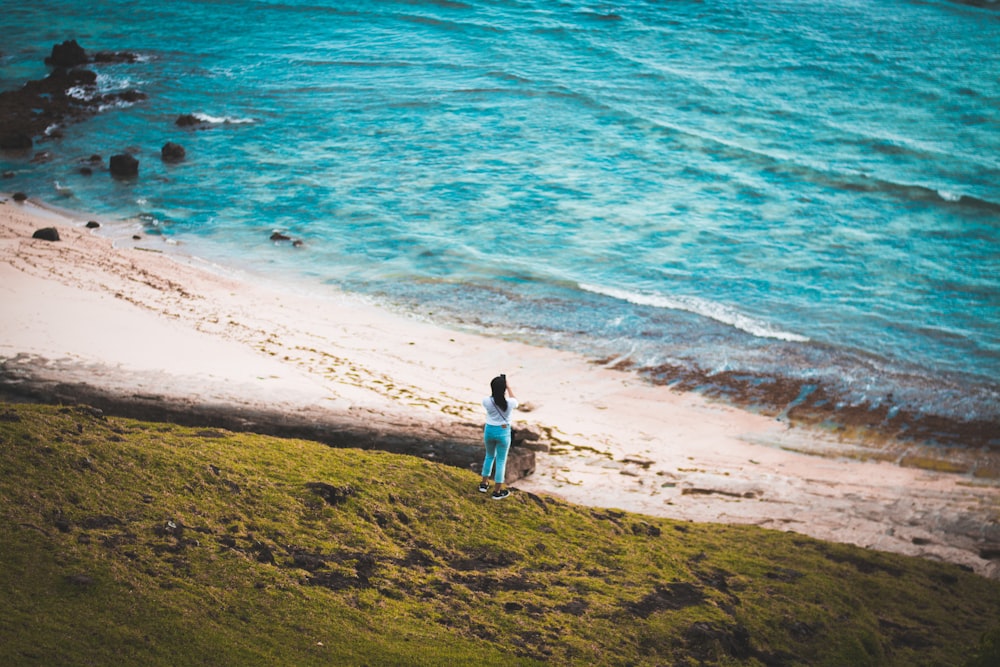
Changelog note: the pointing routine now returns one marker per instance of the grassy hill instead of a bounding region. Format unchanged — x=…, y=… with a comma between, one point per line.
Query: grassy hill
x=133, y=543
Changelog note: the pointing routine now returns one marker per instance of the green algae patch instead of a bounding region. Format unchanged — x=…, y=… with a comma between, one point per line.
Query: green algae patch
x=935, y=464
x=124, y=542
x=989, y=470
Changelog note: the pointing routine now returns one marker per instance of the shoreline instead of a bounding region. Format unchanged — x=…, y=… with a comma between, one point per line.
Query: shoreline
x=136, y=325
x=800, y=402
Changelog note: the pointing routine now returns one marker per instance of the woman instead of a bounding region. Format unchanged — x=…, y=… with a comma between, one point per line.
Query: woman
x=499, y=406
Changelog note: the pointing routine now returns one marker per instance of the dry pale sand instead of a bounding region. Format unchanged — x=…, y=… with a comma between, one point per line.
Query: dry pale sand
x=133, y=317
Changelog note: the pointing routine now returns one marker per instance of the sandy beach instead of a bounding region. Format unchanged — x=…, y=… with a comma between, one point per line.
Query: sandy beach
x=139, y=319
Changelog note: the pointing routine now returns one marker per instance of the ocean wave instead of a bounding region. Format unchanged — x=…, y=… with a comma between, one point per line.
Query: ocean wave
x=845, y=180
x=222, y=120
x=105, y=101
x=968, y=200
x=107, y=83
x=802, y=167
x=914, y=192
x=509, y=76
x=354, y=63
x=710, y=309
x=450, y=25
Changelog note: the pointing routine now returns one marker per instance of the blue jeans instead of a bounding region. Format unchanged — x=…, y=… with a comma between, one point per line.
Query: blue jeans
x=497, y=441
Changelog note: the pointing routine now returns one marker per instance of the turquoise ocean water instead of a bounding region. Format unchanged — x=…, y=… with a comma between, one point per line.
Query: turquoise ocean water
x=796, y=190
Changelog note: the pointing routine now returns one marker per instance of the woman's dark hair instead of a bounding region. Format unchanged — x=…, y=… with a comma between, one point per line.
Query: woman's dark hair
x=498, y=387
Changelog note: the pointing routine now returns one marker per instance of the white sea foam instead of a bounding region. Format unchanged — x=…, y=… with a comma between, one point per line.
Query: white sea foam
x=118, y=104
x=107, y=83
x=80, y=93
x=710, y=309
x=221, y=120
x=949, y=196
x=62, y=190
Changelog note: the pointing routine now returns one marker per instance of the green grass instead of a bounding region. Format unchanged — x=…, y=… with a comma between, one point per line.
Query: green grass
x=132, y=543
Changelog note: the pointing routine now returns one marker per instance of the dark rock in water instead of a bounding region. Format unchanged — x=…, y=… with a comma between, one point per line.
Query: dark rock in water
x=172, y=152
x=71, y=54
x=124, y=165
x=187, y=120
x=46, y=234
x=73, y=77
x=68, y=94
x=93, y=224
x=130, y=96
x=15, y=141
x=278, y=236
x=89, y=163
x=67, y=54
x=20, y=196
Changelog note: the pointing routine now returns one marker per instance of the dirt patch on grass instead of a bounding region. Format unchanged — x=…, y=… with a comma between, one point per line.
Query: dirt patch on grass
x=675, y=595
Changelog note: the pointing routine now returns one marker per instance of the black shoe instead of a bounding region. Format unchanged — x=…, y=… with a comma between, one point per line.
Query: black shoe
x=483, y=487
x=500, y=495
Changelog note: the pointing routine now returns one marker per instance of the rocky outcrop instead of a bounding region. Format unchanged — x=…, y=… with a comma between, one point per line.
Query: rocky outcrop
x=69, y=94
x=188, y=120
x=70, y=54
x=172, y=152
x=124, y=165
x=15, y=140
x=520, y=463
x=67, y=54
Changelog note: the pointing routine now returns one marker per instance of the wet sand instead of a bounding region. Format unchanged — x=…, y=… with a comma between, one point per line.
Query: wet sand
x=140, y=323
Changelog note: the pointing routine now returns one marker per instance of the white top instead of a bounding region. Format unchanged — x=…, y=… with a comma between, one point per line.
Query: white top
x=494, y=417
